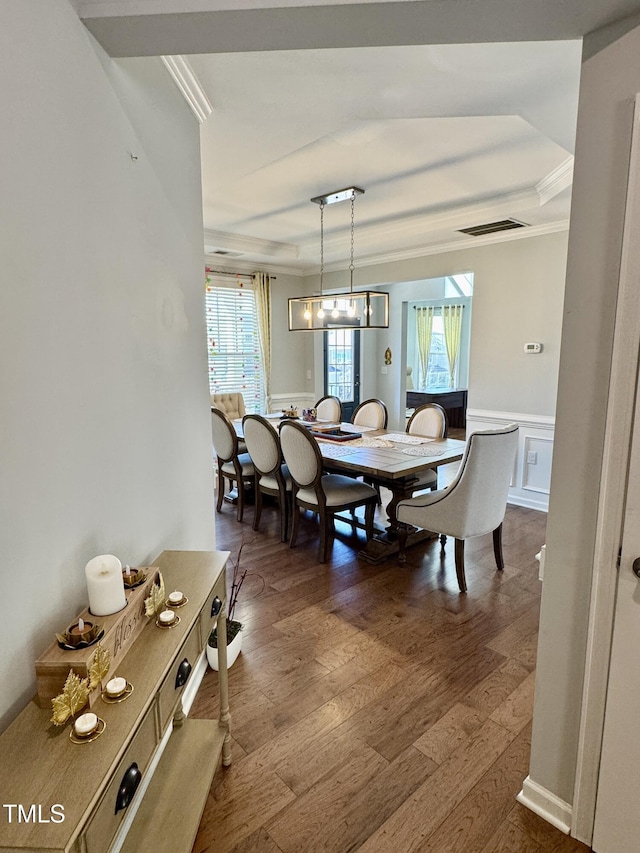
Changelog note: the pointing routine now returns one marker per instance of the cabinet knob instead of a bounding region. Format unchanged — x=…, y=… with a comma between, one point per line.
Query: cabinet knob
x=128, y=787
x=216, y=604
x=184, y=671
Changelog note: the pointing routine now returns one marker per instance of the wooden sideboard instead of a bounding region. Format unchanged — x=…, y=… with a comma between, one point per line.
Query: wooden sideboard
x=169, y=759
x=453, y=401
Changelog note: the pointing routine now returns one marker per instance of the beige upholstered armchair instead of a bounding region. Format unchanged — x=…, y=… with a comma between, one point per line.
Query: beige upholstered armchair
x=474, y=503
x=231, y=404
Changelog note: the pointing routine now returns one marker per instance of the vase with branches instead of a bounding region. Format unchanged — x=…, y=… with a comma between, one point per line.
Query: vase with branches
x=234, y=627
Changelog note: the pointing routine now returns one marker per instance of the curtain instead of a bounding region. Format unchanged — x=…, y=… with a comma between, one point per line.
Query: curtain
x=262, y=290
x=424, y=327
x=452, y=317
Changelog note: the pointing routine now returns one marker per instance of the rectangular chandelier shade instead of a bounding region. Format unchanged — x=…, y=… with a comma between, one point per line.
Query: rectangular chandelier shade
x=364, y=309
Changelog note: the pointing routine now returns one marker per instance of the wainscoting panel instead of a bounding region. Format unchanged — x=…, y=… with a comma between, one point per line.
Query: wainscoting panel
x=302, y=400
x=532, y=472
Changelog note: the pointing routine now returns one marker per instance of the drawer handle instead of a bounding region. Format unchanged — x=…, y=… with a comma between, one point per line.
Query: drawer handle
x=128, y=787
x=184, y=671
x=216, y=605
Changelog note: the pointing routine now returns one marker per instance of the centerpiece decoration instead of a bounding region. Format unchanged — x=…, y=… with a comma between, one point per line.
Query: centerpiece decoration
x=75, y=696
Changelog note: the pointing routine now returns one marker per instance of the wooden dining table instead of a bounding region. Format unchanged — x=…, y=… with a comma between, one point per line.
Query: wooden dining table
x=386, y=458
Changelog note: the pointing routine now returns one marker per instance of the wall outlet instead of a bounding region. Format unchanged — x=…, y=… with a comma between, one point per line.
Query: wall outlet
x=308, y=374
x=532, y=457
x=384, y=369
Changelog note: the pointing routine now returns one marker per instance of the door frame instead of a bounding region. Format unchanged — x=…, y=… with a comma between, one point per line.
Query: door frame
x=357, y=369
x=611, y=504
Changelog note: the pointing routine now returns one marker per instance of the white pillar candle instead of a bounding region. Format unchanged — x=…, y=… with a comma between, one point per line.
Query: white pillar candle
x=116, y=686
x=167, y=617
x=175, y=597
x=85, y=724
x=105, y=585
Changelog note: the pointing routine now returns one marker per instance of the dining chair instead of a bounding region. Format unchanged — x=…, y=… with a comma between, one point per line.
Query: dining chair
x=232, y=465
x=272, y=476
x=322, y=494
x=371, y=413
x=473, y=504
x=329, y=408
x=429, y=421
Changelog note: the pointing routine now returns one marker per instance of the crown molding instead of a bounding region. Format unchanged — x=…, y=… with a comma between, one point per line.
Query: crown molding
x=556, y=181
x=445, y=248
x=185, y=79
x=250, y=245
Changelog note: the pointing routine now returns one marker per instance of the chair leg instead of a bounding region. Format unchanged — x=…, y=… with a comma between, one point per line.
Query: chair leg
x=325, y=520
x=240, y=512
x=220, y=490
x=402, y=532
x=497, y=547
x=295, y=516
x=283, y=502
x=258, y=512
x=443, y=541
x=462, y=582
x=369, y=512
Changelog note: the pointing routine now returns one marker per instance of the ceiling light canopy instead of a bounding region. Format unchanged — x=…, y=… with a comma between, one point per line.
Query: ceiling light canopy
x=365, y=309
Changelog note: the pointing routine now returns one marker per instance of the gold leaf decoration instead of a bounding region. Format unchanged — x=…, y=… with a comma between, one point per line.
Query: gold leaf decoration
x=155, y=602
x=99, y=667
x=73, y=697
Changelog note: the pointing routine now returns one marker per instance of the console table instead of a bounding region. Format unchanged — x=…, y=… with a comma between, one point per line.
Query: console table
x=143, y=784
x=452, y=400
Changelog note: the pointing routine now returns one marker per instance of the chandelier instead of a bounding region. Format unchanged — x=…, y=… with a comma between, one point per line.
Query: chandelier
x=354, y=309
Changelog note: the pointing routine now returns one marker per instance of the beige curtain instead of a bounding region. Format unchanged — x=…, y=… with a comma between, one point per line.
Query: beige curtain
x=262, y=290
x=424, y=327
x=452, y=317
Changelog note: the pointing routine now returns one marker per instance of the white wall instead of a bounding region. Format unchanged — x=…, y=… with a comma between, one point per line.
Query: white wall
x=105, y=426
x=610, y=80
x=517, y=297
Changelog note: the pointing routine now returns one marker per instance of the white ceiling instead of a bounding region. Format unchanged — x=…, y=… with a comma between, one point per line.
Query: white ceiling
x=440, y=138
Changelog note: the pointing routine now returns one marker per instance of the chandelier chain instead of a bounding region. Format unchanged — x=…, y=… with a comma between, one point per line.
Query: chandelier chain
x=321, y=245
x=351, y=266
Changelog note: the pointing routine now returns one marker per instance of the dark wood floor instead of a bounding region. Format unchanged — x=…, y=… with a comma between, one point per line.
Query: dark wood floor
x=374, y=708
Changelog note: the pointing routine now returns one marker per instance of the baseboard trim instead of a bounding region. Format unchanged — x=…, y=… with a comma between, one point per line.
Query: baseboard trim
x=529, y=503
x=546, y=805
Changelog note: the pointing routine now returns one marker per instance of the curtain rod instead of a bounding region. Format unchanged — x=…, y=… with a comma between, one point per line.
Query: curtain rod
x=416, y=307
x=234, y=274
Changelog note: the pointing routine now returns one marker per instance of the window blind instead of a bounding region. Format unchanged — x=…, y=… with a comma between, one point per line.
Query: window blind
x=233, y=345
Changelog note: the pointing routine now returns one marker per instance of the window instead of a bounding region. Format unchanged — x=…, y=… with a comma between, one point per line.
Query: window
x=235, y=363
x=438, y=363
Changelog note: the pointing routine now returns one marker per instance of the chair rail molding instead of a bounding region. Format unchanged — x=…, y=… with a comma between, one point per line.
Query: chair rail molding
x=531, y=480
x=299, y=399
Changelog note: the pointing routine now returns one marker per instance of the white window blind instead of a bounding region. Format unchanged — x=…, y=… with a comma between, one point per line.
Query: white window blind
x=235, y=363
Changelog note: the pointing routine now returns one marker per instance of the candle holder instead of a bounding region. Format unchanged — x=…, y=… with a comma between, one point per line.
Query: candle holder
x=114, y=698
x=174, y=601
x=162, y=624
x=134, y=578
x=80, y=636
x=91, y=735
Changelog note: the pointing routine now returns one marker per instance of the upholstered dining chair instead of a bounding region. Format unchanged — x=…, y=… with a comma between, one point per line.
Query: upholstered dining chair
x=429, y=421
x=325, y=495
x=371, y=413
x=473, y=504
x=272, y=476
x=329, y=408
x=232, y=465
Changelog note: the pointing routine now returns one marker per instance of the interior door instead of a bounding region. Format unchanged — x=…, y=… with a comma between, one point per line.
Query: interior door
x=342, y=367
x=617, y=817
x=617, y=820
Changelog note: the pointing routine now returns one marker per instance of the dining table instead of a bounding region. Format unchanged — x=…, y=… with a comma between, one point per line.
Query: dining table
x=387, y=458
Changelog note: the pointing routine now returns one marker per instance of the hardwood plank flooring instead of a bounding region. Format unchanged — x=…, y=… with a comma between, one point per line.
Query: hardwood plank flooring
x=374, y=708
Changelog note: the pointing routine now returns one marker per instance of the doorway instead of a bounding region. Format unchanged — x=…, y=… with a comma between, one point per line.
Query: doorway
x=342, y=368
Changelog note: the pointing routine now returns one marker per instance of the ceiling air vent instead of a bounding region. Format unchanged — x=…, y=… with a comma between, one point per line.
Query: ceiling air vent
x=493, y=227
x=224, y=252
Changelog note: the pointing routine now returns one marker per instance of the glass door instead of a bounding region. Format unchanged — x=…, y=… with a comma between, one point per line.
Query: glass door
x=342, y=367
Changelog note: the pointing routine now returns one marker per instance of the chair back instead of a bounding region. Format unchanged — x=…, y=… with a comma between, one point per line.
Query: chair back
x=429, y=420
x=371, y=413
x=232, y=404
x=329, y=408
x=301, y=453
x=479, y=491
x=263, y=444
x=225, y=440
